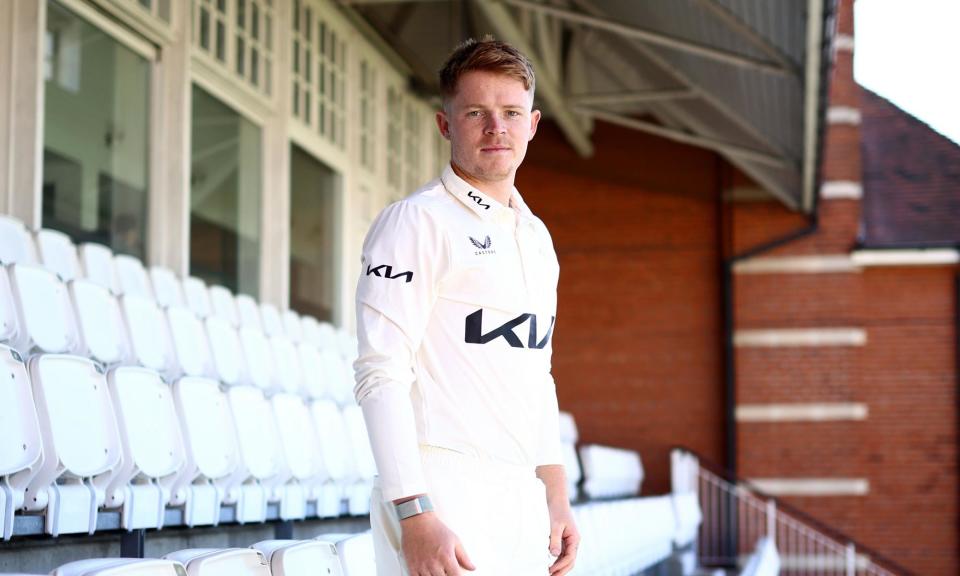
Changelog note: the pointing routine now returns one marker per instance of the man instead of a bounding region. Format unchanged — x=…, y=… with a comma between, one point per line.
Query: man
x=455, y=311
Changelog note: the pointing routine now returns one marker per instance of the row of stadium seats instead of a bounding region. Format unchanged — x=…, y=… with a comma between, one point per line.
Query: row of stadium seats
x=120, y=402
x=327, y=555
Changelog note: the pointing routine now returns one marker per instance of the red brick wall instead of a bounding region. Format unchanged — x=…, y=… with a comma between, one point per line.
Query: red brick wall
x=637, y=349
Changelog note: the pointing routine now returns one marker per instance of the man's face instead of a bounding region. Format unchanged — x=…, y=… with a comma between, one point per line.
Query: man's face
x=488, y=122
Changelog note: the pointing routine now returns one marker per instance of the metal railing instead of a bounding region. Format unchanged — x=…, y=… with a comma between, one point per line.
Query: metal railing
x=736, y=517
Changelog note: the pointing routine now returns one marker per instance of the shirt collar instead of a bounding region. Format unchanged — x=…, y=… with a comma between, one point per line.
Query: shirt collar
x=481, y=204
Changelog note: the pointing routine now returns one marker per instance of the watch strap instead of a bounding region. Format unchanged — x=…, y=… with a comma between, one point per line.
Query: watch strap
x=411, y=508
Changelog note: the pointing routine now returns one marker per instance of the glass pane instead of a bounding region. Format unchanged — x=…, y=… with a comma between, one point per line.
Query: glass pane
x=224, y=196
x=312, y=222
x=96, y=135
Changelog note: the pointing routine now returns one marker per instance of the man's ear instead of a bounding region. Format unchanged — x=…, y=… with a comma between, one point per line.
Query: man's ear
x=443, y=124
x=534, y=121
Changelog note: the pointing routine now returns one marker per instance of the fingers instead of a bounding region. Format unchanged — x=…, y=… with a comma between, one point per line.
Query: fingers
x=463, y=560
x=556, y=533
x=563, y=564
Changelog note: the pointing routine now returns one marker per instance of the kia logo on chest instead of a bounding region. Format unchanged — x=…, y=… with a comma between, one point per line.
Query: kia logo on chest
x=473, y=331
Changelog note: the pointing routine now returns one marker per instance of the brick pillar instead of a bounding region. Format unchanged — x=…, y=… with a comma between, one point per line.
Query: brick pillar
x=799, y=335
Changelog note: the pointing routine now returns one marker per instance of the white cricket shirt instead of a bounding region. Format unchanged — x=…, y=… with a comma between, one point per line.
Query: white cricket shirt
x=456, y=305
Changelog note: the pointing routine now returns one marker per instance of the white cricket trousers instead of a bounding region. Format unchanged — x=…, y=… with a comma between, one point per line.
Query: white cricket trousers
x=499, y=512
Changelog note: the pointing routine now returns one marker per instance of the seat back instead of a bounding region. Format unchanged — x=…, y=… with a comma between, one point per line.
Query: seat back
x=97, y=263
x=356, y=555
x=260, y=361
x=338, y=465
x=58, y=254
x=99, y=322
x=44, y=313
x=289, y=376
x=16, y=244
x=222, y=562
x=301, y=449
x=207, y=426
x=301, y=557
x=227, y=353
x=20, y=441
x=249, y=312
x=120, y=567
x=152, y=443
x=311, y=366
x=224, y=305
x=610, y=471
x=257, y=437
x=147, y=327
x=197, y=297
x=9, y=326
x=166, y=287
x=189, y=342
x=132, y=276
x=272, y=323
x=292, y=325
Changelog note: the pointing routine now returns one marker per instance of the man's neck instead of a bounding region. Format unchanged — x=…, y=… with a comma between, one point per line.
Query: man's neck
x=501, y=191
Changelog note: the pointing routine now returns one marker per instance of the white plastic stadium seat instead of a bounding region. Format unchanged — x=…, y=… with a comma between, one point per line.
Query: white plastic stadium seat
x=58, y=254
x=568, y=447
x=356, y=552
x=338, y=466
x=97, y=263
x=292, y=325
x=301, y=451
x=222, y=562
x=9, y=325
x=99, y=322
x=226, y=350
x=686, y=508
x=149, y=337
x=260, y=362
x=212, y=454
x=120, y=567
x=166, y=287
x=81, y=442
x=610, y=472
x=301, y=557
x=249, y=312
x=152, y=446
x=224, y=305
x=132, y=276
x=20, y=444
x=16, y=245
x=312, y=368
x=44, y=316
x=262, y=465
x=197, y=297
x=272, y=322
x=366, y=466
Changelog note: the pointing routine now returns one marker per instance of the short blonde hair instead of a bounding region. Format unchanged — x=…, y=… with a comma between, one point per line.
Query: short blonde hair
x=486, y=55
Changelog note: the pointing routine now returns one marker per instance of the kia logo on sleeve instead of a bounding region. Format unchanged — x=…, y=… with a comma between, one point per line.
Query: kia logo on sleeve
x=388, y=273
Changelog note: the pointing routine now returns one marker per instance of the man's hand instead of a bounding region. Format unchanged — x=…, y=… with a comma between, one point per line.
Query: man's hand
x=430, y=548
x=564, y=537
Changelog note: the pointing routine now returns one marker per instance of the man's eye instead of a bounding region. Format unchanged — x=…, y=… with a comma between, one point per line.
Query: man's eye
x=474, y=113
x=513, y=113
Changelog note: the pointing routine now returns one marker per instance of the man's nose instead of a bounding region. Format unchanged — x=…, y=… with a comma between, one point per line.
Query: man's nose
x=495, y=125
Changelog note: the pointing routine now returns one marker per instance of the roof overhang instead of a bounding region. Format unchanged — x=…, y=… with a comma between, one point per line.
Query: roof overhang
x=745, y=78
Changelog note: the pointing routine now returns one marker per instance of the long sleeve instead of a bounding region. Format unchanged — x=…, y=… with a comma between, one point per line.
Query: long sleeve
x=549, y=451
x=404, y=259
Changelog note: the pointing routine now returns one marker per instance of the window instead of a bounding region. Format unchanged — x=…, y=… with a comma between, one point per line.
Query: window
x=394, y=138
x=225, y=196
x=368, y=116
x=319, y=58
x=238, y=36
x=411, y=148
x=96, y=134
x=312, y=236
